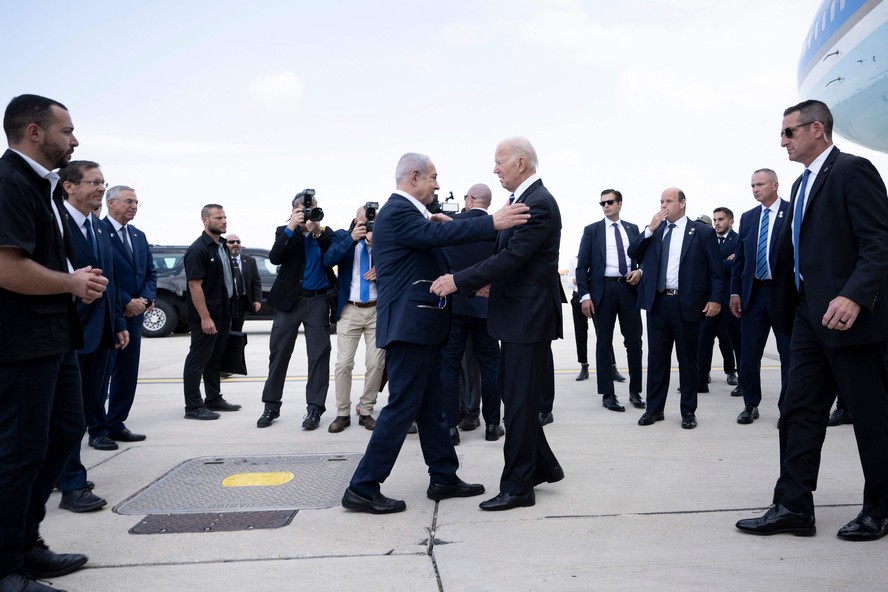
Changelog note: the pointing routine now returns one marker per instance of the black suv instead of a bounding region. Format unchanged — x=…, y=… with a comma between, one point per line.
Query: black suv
x=170, y=312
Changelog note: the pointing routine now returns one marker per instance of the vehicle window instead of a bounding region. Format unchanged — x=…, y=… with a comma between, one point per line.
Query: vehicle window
x=167, y=261
x=266, y=267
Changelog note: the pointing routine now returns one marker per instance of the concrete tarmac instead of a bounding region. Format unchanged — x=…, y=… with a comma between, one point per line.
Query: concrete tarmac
x=641, y=508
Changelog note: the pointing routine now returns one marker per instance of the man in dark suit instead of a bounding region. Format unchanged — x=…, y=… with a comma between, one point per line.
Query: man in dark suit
x=412, y=325
x=209, y=297
x=751, y=278
x=104, y=328
x=137, y=285
x=469, y=319
x=352, y=251
x=525, y=315
x=831, y=291
x=299, y=297
x=41, y=411
x=725, y=326
x=681, y=285
x=606, y=280
x=247, y=284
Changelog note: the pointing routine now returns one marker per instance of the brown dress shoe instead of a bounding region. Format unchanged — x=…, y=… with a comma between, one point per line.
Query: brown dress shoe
x=367, y=421
x=340, y=423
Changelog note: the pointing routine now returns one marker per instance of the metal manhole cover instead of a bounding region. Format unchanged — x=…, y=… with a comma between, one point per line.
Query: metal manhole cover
x=223, y=484
x=182, y=523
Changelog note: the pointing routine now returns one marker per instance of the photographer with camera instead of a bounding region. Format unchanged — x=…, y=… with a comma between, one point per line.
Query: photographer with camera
x=299, y=296
x=356, y=315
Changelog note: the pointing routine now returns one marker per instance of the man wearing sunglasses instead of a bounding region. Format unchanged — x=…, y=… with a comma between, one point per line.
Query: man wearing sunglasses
x=606, y=280
x=247, y=284
x=830, y=292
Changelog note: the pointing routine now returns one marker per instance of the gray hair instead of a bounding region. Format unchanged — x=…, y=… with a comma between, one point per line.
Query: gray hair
x=114, y=192
x=412, y=161
x=770, y=173
x=521, y=146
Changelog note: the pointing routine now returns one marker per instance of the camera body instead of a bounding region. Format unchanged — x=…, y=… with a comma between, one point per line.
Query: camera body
x=305, y=198
x=448, y=207
x=370, y=209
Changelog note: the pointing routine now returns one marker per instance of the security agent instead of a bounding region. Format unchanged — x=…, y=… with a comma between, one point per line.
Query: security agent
x=299, y=296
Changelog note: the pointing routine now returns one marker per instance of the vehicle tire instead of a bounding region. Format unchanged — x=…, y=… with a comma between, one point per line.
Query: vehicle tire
x=160, y=320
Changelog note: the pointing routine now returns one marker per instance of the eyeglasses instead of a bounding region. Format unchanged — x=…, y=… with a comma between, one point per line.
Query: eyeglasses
x=467, y=196
x=608, y=202
x=94, y=183
x=232, y=242
x=790, y=131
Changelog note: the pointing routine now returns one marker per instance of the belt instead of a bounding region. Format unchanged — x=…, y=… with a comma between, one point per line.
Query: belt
x=310, y=293
x=362, y=304
x=758, y=282
x=618, y=278
x=669, y=292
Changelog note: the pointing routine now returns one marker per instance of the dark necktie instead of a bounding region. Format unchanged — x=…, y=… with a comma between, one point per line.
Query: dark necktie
x=238, y=277
x=124, y=231
x=664, y=259
x=761, y=257
x=365, y=267
x=90, y=238
x=621, y=252
x=797, y=225
x=511, y=199
x=721, y=240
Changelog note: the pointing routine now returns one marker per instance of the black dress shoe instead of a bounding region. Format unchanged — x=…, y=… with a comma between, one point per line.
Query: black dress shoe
x=103, y=443
x=125, y=435
x=221, y=404
x=649, y=417
x=546, y=418
x=777, y=520
x=493, y=432
x=42, y=563
x=81, y=500
x=267, y=417
x=507, y=501
x=201, y=413
x=610, y=402
x=19, y=583
x=616, y=374
x=702, y=387
x=688, y=421
x=469, y=423
x=552, y=476
x=438, y=492
x=839, y=417
x=864, y=528
x=748, y=415
x=454, y=436
x=584, y=372
x=732, y=379
x=311, y=420
x=636, y=400
x=378, y=504
x=737, y=392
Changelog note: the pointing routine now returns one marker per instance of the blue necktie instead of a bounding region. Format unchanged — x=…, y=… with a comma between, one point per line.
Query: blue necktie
x=511, y=199
x=797, y=225
x=664, y=259
x=90, y=238
x=761, y=258
x=365, y=267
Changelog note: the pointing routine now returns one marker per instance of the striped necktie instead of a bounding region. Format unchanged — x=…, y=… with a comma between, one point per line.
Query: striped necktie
x=761, y=258
x=797, y=226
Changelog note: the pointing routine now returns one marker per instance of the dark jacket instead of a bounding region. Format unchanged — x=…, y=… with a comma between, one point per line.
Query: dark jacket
x=202, y=261
x=289, y=253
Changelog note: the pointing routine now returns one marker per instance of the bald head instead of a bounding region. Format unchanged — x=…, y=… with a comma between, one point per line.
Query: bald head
x=478, y=196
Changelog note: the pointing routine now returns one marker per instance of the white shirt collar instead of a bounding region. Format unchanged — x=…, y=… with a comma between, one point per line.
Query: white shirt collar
x=817, y=163
x=527, y=183
x=41, y=170
x=419, y=205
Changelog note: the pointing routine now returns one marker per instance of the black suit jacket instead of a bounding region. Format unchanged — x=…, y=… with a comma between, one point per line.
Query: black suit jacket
x=592, y=258
x=843, y=251
x=699, y=273
x=463, y=256
x=252, y=281
x=726, y=249
x=743, y=270
x=525, y=291
x=408, y=257
x=289, y=253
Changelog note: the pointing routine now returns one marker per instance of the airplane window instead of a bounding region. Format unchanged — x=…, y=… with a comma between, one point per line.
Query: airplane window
x=832, y=10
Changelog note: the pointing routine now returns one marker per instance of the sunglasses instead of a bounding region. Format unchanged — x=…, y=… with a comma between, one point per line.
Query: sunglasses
x=608, y=202
x=235, y=242
x=790, y=131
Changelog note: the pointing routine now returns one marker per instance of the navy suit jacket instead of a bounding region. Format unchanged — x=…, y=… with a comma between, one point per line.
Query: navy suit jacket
x=592, y=258
x=136, y=276
x=726, y=249
x=103, y=317
x=408, y=257
x=844, y=251
x=525, y=288
x=699, y=272
x=743, y=270
x=463, y=256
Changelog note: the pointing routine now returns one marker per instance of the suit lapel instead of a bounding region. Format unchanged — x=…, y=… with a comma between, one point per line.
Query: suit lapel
x=820, y=179
x=782, y=212
x=601, y=241
x=81, y=247
x=690, y=232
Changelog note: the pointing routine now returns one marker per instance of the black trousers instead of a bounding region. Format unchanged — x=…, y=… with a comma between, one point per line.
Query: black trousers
x=726, y=327
x=665, y=328
x=487, y=356
x=617, y=302
x=203, y=361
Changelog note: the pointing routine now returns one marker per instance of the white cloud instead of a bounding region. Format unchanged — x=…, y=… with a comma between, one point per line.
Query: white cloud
x=281, y=91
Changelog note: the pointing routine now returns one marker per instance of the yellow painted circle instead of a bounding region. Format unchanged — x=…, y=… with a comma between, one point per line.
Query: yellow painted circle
x=257, y=479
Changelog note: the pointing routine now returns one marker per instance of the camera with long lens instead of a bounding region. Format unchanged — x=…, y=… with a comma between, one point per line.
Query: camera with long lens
x=304, y=198
x=449, y=206
x=370, y=209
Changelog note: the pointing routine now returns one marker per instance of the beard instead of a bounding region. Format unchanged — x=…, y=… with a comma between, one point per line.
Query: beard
x=56, y=156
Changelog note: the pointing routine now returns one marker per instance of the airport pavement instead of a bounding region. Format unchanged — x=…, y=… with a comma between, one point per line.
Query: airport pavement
x=641, y=508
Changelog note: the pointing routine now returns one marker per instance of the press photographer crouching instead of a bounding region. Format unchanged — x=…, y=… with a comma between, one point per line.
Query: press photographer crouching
x=352, y=251
x=299, y=296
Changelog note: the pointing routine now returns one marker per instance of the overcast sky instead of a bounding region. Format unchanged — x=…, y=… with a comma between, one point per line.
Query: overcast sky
x=245, y=104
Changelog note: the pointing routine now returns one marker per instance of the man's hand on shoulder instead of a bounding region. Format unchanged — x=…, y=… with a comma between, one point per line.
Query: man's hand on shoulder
x=511, y=215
